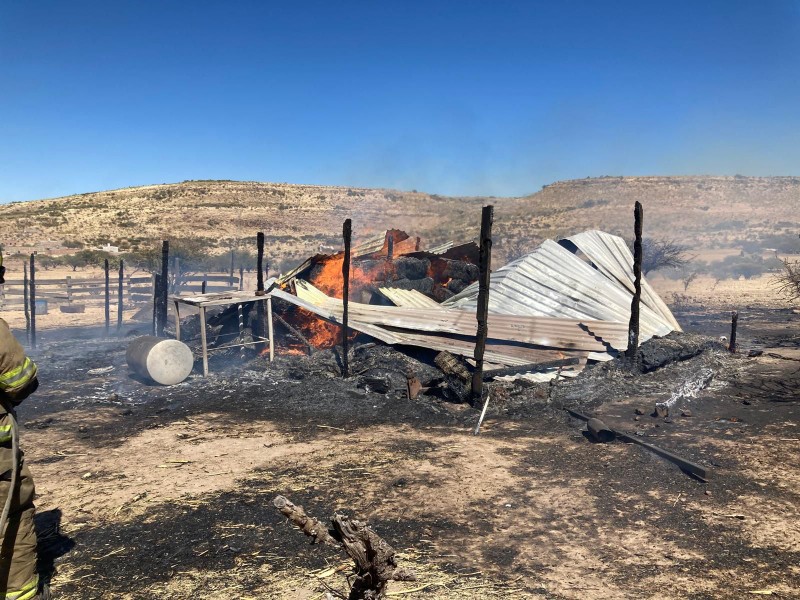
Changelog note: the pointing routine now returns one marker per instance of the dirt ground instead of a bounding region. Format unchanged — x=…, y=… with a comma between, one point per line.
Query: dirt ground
x=167, y=492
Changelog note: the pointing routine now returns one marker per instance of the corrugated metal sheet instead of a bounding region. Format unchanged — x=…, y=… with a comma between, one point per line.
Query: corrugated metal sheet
x=552, y=281
x=546, y=332
x=611, y=255
x=408, y=298
x=440, y=249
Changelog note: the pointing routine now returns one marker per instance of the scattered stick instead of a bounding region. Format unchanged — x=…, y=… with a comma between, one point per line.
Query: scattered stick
x=483, y=414
x=331, y=427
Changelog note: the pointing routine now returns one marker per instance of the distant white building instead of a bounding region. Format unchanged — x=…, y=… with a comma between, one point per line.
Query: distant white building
x=110, y=249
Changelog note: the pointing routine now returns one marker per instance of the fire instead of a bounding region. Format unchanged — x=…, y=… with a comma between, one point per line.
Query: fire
x=318, y=332
x=328, y=276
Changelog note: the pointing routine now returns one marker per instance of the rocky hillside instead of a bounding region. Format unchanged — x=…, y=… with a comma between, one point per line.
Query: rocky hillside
x=703, y=212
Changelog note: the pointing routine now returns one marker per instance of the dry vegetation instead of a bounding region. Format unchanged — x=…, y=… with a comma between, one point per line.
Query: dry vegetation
x=708, y=214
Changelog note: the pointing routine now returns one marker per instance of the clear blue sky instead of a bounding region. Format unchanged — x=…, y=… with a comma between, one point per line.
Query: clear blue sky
x=452, y=97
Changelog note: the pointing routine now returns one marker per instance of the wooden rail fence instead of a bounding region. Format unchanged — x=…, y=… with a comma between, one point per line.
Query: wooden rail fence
x=137, y=290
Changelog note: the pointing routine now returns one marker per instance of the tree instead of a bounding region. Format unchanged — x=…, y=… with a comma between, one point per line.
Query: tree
x=659, y=254
x=788, y=280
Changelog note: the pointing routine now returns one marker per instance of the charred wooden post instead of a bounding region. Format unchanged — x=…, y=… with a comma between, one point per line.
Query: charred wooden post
x=375, y=561
x=632, y=353
x=485, y=268
x=25, y=302
x=203, y=285
x=120, y=305
x=33, y=300
x=241, y=278
x=107, y=298
x=260, y=264
x=164, y=289
x=734, y=323
x=347, y=232
x=389, y=245
x=259, y=327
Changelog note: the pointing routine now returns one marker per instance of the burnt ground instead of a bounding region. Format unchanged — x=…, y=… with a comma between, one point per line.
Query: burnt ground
x=167, y=492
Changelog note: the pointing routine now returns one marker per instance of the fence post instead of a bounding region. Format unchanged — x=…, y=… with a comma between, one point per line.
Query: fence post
x=163, y=289
x=632, y=353
x=482, y=312
x=25, y=302
x=347, y=232
x=33, y=300
x=69, y=289
x=233, y=254
x=119, y=296
x=107, y=298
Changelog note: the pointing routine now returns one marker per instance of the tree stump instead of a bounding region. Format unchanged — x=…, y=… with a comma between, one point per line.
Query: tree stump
x=374, y=558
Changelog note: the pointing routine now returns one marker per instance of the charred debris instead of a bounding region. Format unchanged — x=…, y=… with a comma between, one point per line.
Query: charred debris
x=437, y=322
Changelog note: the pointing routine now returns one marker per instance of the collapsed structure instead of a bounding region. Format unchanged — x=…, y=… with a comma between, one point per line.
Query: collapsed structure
x=566, y=299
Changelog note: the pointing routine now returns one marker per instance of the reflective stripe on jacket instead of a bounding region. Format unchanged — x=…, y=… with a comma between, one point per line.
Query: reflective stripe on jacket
x=17, y=371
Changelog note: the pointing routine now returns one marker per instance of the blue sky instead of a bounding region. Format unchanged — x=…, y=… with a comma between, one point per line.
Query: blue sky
x=451, y=97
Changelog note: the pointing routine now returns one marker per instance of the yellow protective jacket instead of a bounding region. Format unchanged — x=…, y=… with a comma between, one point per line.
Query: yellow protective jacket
x=17, y=371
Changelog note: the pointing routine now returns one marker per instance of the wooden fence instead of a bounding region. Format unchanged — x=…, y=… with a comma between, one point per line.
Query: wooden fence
x=136, y=290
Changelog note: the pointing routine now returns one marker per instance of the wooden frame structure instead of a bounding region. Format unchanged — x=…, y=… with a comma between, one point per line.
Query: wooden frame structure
x=204, y=301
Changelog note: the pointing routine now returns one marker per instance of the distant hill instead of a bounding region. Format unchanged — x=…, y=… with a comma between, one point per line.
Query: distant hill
x=701, y=211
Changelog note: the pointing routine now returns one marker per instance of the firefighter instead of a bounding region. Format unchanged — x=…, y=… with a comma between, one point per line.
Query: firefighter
x=18, y=575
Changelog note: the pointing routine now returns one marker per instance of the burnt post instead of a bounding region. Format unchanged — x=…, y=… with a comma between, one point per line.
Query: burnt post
x=734, y=323
x=163, y=289
x=260, y=264
x=389, y=245
x=25, y=302
x=260, y=286
x=203, y=285
x=119, y=295
x=33, y=301
x=241, y=278
x=347, y=232
x=108, y=298
x=632, y=352
x=485, y=270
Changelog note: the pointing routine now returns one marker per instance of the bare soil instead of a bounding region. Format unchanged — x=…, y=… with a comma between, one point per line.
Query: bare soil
x=167, y=492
